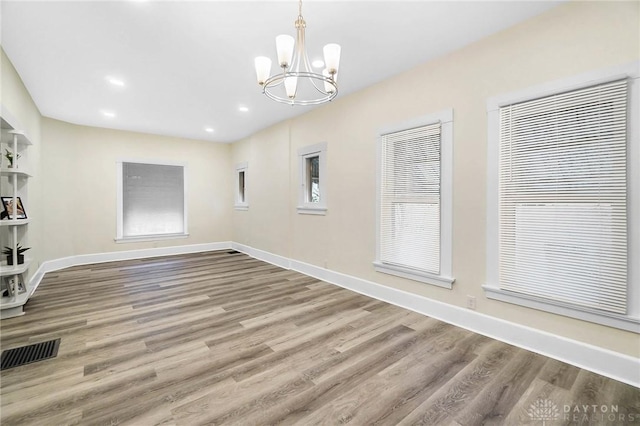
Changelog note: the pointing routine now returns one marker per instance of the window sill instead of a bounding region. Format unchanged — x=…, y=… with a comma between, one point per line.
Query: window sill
x=144, y=238
x=312, y=210
x=241, y=207
x=412, y=274
x=548, y=305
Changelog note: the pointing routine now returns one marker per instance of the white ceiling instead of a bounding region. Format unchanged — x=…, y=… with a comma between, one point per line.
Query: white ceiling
x=188, y=65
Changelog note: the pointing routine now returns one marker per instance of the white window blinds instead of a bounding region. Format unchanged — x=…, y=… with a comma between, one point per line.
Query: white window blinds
x=410, y=199
x=562, y=213
x=152, y=199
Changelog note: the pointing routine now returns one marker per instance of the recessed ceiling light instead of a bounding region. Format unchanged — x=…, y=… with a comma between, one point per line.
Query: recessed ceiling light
x=109, y=114
x=318, y=63
x=208, y=129
x=115, y=81
x=243, y=108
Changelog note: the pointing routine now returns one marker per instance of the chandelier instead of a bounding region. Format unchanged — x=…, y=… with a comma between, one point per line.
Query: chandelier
x=298, y=84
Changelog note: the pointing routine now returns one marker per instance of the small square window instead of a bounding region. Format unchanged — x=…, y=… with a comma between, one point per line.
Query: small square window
x=312, y=194
x=241, y=194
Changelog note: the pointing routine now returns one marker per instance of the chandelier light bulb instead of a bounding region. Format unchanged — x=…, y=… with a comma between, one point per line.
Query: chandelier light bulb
x=332, y=57
x=290, y=85
x=284, y=46
x=263, y=68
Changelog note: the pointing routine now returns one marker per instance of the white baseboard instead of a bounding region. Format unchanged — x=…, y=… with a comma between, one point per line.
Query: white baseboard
x=602, y=361
x=86, y=259
x=265, y=256
x=611, y=364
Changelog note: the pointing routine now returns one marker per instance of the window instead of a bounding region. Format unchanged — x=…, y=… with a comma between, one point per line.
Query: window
x=414, y=200
x=313, y=192
x=242, y=172
x=562, y=200
x=151, y=200
x=312, y=188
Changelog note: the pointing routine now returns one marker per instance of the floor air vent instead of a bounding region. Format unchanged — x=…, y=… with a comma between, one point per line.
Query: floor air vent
x=28, y=354
x=233, y=252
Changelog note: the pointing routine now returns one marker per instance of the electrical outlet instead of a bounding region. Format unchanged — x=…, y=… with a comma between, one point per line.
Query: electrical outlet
x=471, y=302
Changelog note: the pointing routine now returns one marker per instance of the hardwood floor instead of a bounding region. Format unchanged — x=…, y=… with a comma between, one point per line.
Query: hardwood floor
x=221, y=338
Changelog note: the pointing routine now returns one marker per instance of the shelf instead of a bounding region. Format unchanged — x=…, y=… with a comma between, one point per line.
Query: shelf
x=12, y=172
x=12, y=306
x=7, y=137
x=8, y=270
x=15, y=141
x=16, y=222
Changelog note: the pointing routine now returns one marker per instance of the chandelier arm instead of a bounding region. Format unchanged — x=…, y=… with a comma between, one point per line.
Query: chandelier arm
x=307, y=65
x=301, y=48
x=302, y=58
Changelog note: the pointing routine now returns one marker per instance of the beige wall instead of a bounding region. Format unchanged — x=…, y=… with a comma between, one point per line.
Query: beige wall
x=80, y=187
x=267, y=223
x=21, y=112
x=568, y=40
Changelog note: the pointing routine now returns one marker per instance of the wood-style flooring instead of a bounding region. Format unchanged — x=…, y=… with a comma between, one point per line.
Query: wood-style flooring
x=221, y=338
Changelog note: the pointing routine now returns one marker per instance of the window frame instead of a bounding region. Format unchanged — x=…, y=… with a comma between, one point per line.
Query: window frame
x=241, y=204
x=304, y=206
x=445, y=278
x=630, y=321
x=120, y=238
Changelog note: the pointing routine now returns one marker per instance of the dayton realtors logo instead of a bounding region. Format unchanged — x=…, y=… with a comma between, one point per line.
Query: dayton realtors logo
x=543, y=410
x=597, y=414
x=546, y=411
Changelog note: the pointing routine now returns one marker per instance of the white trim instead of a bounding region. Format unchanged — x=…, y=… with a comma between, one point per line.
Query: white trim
x=305, y=207
x=144, y=238
x=602, y=361
x=617, y=366
x=446, y=196
x=493, y=196
x=86, y=259
x=120, y=200
x=424, y=277
x=185, y=196
x=590, y=78
x=609, y=319
x=633, y=200
x=312, y=210
x=492, y=290
x=445, y=278
x=265, y=256
x=12, y=312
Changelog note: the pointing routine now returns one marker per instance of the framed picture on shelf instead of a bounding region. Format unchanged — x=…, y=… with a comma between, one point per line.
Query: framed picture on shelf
x=8, y=213
x=9, y=286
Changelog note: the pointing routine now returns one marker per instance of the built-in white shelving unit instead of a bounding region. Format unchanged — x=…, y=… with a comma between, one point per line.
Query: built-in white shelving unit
x=14, y=230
